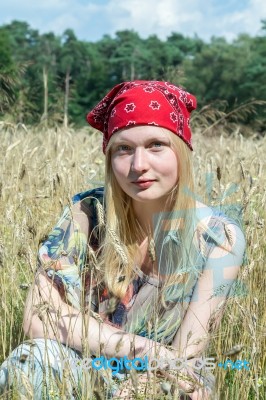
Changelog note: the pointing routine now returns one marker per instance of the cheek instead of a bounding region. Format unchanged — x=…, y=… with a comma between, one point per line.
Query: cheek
x=171, y=168
x=173, y=177
x=119, y=168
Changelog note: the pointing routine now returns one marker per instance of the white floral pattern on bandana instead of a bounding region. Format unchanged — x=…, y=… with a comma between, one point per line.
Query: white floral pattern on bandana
x=183, y=96
x=170, y=86
x=113, y=112
x=130, y=107
x=152, y=123
x=173, y=116
x=155, y=105
x=131, y=123
x=115, y=129
x=181, y=125
x=148, y=89
x=189, y=104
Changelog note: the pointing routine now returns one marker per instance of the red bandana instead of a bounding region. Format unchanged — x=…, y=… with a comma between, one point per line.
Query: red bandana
x=144, y=103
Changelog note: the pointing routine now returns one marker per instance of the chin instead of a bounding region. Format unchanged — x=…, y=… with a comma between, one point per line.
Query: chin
x=145, y=197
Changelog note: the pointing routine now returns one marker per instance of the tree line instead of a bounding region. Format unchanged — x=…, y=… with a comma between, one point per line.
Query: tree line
x=58, y=79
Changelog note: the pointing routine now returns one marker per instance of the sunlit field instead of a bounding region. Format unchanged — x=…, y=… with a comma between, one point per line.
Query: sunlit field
x=41, y=169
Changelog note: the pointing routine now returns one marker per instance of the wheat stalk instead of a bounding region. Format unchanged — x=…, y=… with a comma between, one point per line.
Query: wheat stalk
x=40, y=170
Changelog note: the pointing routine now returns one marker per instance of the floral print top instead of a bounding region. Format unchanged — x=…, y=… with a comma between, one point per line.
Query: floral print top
x=64, y=256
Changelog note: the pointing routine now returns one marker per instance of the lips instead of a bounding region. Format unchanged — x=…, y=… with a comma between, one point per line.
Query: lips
x=143, y=180
x=144, y=184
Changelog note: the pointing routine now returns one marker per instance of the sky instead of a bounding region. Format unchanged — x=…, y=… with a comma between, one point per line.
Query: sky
x=91, y=19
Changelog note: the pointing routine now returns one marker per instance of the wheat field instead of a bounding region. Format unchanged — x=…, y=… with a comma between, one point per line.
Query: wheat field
x=41, y=169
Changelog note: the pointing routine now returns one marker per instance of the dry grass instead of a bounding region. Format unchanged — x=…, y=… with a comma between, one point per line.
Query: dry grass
x=40, y=171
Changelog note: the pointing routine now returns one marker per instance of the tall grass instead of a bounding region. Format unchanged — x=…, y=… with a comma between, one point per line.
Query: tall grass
x=41, y=169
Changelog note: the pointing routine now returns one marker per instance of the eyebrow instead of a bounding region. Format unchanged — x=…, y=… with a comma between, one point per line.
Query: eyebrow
x=151, y=139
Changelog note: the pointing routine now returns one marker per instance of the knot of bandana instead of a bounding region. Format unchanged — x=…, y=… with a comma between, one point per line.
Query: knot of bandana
x=144, y=103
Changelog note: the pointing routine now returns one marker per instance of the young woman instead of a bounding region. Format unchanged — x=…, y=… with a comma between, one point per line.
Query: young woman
x=136, y=269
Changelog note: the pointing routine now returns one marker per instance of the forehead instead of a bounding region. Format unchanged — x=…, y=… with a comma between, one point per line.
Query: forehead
x=140, y=134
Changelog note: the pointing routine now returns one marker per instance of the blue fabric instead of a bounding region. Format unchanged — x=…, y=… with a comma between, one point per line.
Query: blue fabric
x=37, y=367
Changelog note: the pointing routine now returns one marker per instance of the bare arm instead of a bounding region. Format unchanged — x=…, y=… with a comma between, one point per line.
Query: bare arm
x=207, y=303
x=46, y=315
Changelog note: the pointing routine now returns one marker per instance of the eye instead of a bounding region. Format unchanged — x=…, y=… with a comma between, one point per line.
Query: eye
x=157, y=145
x=122, y=148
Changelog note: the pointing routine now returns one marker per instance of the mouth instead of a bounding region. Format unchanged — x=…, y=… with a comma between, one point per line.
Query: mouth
x=143, y=180
x=144, y=183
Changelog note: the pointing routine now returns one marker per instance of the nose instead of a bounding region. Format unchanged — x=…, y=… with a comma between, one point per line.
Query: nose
x=139, y=160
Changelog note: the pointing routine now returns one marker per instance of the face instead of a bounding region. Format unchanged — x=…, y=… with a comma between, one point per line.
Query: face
x=144, y=163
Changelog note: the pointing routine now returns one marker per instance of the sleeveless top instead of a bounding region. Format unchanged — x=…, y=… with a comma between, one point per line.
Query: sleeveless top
x=64, y=257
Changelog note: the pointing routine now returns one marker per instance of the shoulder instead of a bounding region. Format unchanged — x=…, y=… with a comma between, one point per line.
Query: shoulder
x=92, y=203
x=97, y=194
x=216, y=219
x=218, y=230
x=89, y=200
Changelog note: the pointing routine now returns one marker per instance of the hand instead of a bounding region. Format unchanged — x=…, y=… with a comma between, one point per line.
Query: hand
x=144, y=382
x=187, y=383
x=200, y=394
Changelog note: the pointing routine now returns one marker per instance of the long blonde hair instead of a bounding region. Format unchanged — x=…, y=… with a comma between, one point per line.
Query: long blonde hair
x=120, y=245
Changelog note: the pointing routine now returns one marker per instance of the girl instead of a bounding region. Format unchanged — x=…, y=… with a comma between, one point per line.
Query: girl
x=137, y=269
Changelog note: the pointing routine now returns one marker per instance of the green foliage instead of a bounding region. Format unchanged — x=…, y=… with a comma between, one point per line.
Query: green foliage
x=7, y=78
x=34, y=69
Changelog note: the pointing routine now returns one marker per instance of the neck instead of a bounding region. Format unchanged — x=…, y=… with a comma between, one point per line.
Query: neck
x=147, y=212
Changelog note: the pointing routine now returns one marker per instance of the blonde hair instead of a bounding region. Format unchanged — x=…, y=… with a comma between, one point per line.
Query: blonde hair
x=120, y=246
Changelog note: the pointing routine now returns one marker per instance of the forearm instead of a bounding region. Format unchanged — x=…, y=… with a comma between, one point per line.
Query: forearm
x=193, y=345
x=79, y=330
x=47, y=315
